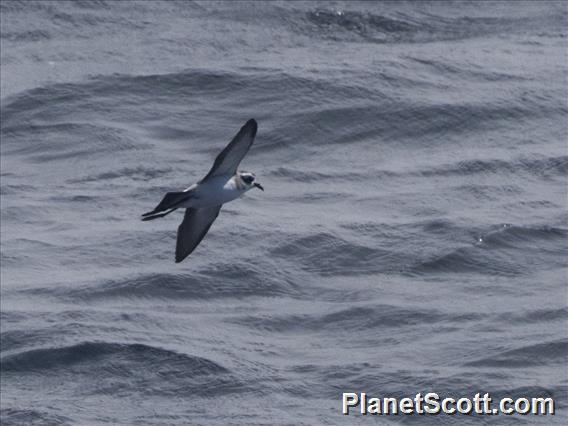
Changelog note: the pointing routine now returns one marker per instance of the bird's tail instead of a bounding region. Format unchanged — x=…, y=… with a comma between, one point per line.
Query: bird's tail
x=170, y=200
x=146, y=216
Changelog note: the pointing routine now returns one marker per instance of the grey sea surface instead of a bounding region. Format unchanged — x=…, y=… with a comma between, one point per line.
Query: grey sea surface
x=412, y=236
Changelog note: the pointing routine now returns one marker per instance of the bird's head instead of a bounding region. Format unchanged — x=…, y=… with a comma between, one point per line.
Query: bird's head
x=248, y=180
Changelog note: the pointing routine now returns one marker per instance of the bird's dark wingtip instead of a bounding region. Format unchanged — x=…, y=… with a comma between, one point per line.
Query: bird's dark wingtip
x=252, y=125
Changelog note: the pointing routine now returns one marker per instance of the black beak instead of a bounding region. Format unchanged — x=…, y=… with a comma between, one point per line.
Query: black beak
x=259, y=186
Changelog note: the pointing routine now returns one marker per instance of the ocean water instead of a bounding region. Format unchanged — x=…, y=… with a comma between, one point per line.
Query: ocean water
x=412, y=236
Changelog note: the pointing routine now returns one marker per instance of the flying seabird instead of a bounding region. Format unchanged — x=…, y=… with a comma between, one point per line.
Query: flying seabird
x=203, y=200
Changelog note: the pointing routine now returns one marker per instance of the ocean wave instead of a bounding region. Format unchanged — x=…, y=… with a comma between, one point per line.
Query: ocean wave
x=86, y=353
x=11, y=340
x=354, y=319
x=421, y=123
x=548, y=166
x=64, y=141
x=16, y=189
x=308, y=176
x=471, y=72
x=535, y=316
x=125, y=368
x=216, y=281
x=21, y=416
x=367, y=26
x=25, y=36
x=140, y=173
x=329, y=255
x=351, y=115
x=71, y=324
x=558, y=393
x=540, y=354
x=22, y=6
x=512, y=236
x=352, y=26
x=471, y=259
x=505, y=250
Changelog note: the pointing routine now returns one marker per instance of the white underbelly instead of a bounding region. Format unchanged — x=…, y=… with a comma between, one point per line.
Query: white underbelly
x=213, y=193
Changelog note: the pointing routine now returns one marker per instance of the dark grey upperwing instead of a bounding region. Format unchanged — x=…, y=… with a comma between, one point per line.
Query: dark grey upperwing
x=191, y=231
x=229, y=159
x=170, y=200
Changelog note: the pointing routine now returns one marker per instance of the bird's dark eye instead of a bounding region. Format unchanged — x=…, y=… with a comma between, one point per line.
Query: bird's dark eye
x=248, y=179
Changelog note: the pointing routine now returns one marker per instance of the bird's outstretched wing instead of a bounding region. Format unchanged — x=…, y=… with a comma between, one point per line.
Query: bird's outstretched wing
x=228, y=160
x=191, y=231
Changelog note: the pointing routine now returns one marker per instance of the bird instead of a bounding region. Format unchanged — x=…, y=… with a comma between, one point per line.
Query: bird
x=203, y=200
